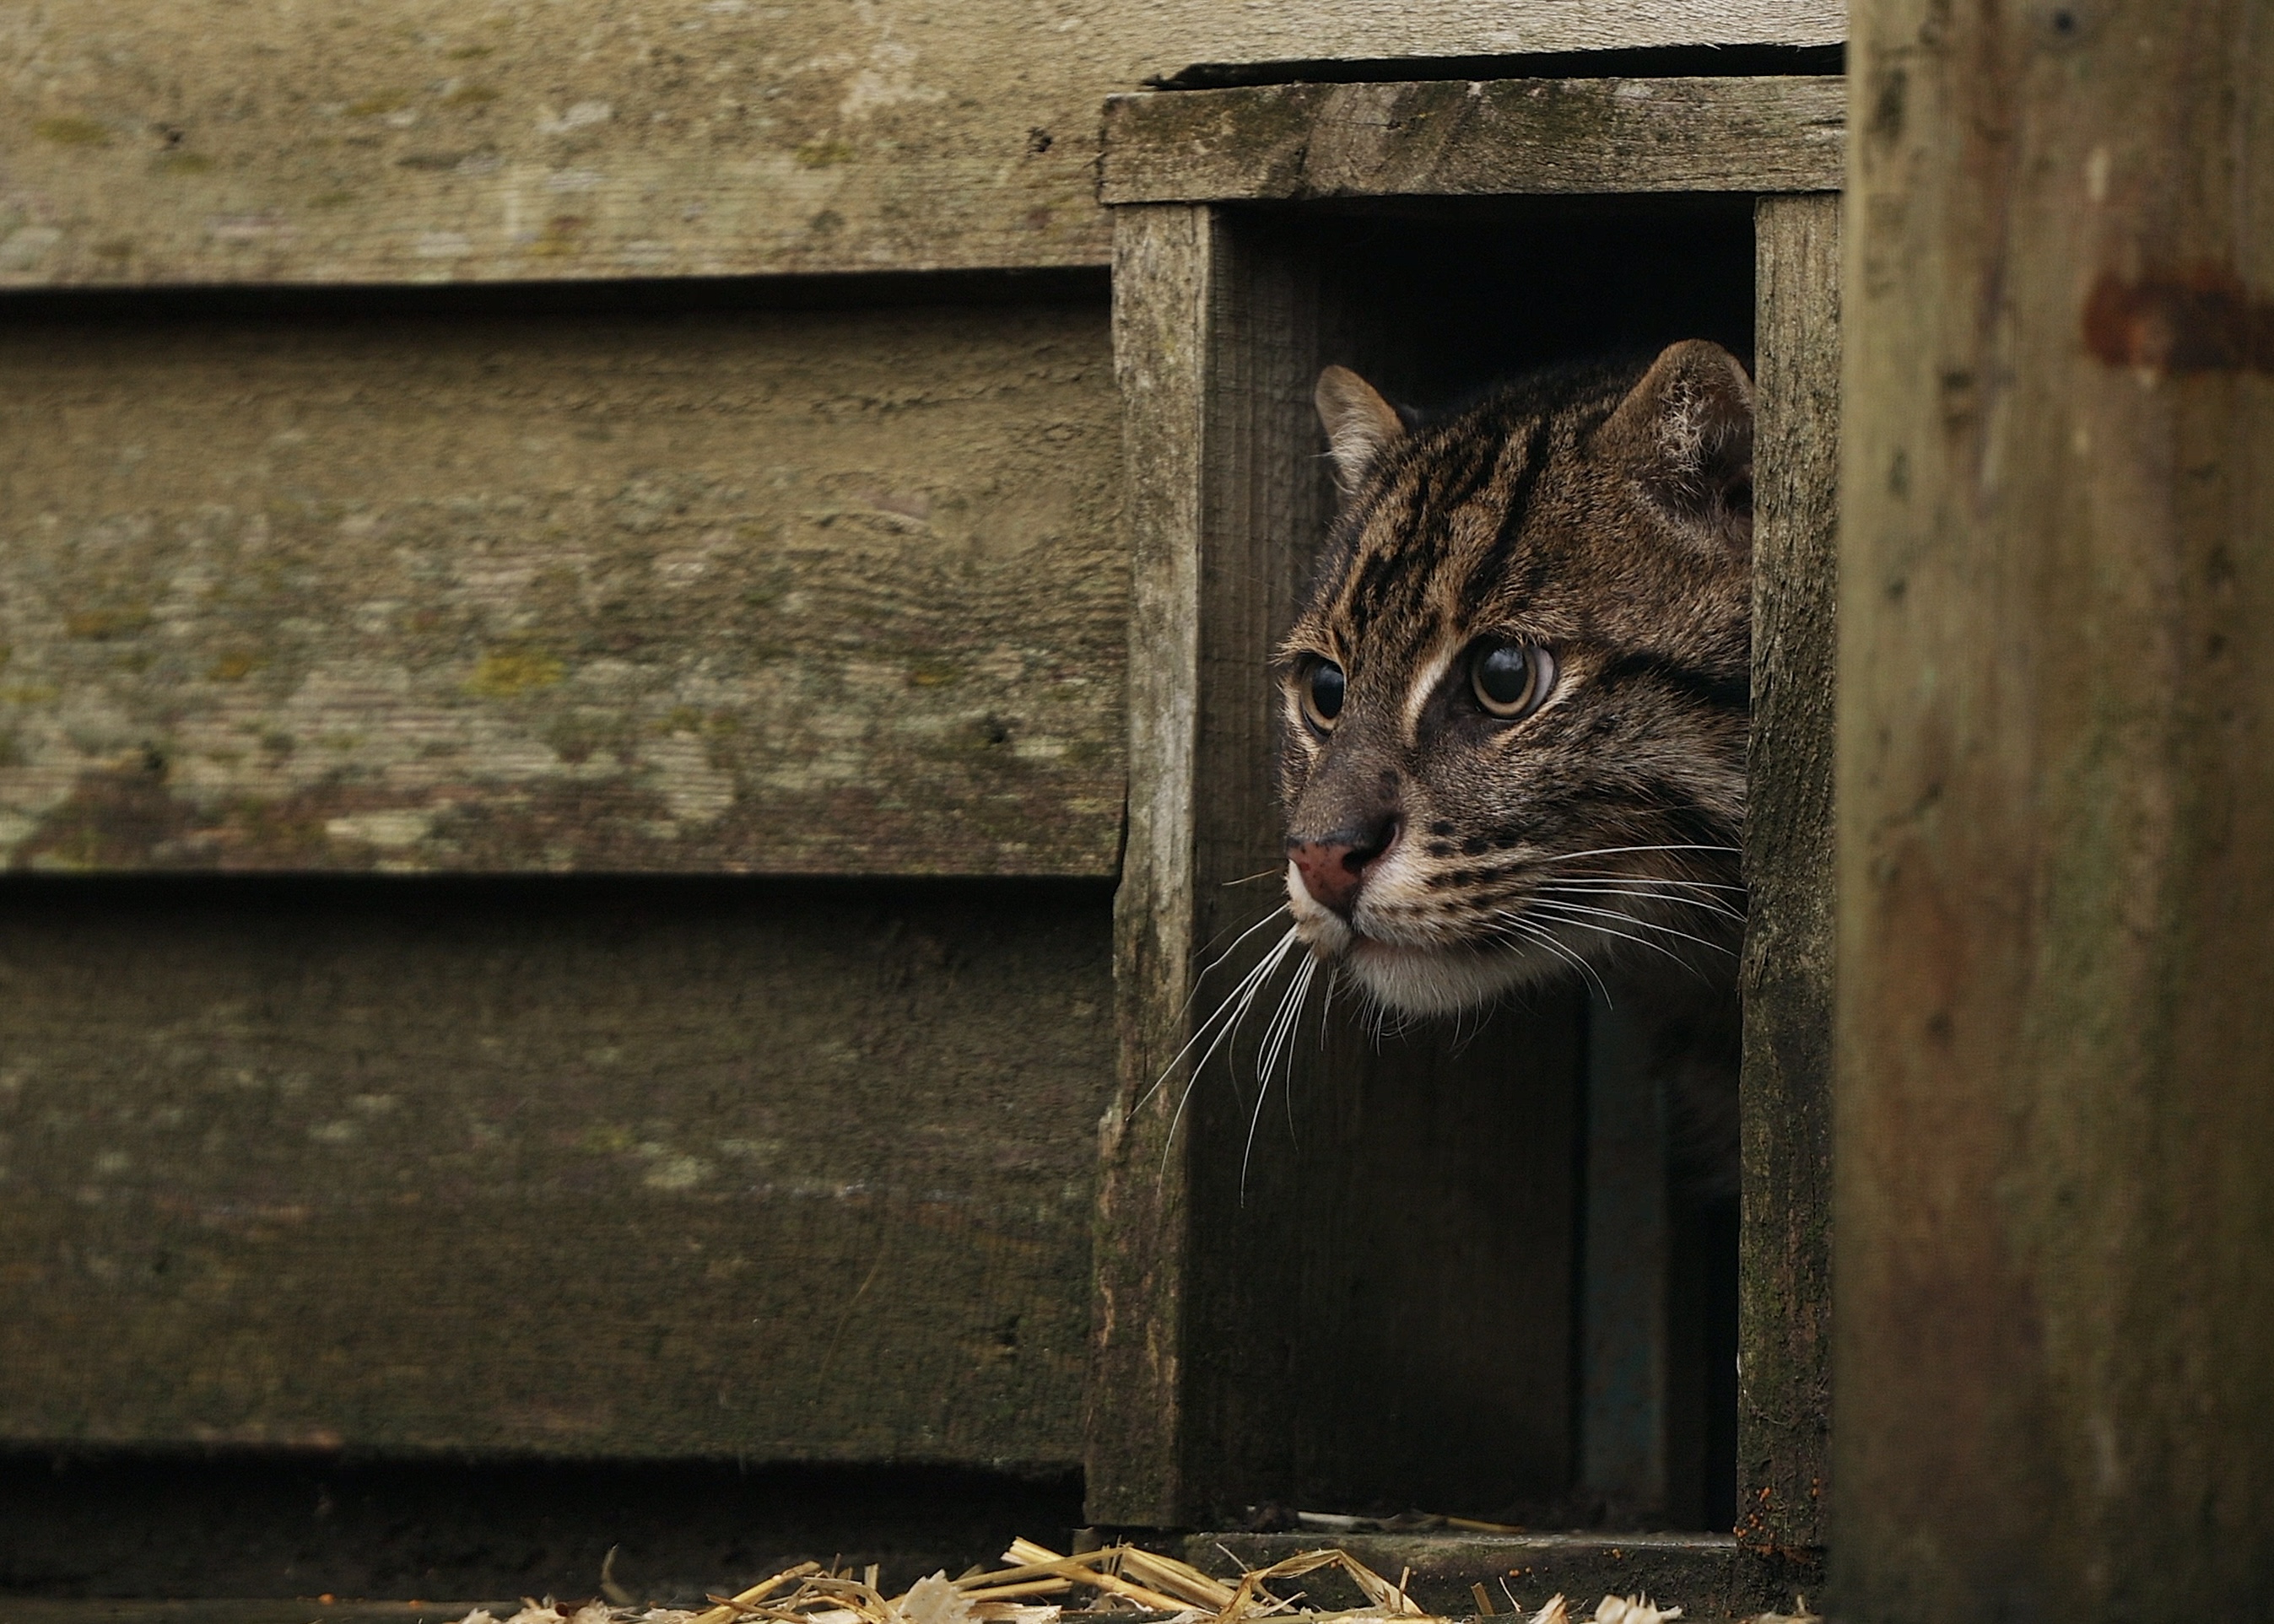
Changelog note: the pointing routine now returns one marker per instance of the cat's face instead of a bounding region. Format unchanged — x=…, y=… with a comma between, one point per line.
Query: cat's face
x=1515, y=709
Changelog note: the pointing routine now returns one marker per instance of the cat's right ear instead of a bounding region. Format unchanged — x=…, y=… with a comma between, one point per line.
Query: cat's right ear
x=1359, y=422
x=1687, y=432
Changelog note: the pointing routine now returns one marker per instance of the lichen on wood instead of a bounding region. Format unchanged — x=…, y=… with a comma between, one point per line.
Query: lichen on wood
x=423, y=140
x=822, y=593
x=1481, y=137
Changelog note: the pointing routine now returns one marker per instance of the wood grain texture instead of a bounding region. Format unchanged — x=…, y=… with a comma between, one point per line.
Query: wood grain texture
x=541, y=139
x=757, y=590
x=1459, y=138
x=2054, y=1350
x=1213, y=343
x=600, y=1168
x=1784, y=1394
x=1165, y=264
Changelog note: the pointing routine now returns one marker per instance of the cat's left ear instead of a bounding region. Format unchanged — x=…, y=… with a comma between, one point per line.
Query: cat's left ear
x=1686, y=429
x=1358, y=421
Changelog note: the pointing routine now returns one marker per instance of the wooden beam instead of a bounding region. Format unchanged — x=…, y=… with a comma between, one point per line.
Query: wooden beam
x=2055, y=1342
x=1165, y=266
x=1213, y=351
x=1784, y=1240
x=419, y=141
x=754, y=590
x=1463, y=138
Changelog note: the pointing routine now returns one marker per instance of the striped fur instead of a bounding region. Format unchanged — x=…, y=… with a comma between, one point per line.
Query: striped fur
x=1602, y=514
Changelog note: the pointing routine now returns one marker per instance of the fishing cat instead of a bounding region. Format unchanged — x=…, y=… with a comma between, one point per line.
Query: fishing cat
x=1515, y=708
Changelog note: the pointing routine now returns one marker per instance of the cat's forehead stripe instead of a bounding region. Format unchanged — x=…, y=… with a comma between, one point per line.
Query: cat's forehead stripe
x=1491, y=568
x=1408, y=583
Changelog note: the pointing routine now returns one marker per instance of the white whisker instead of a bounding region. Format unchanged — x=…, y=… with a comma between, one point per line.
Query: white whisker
x=1711, y=905
x=1246, y=993
x=1656, y=947
x=1276, y=1038
x=1630, y=919
x=1613, y=851
x=1534, y=932
x=1209, y=968
x=1643, y=879
x=1243, y=991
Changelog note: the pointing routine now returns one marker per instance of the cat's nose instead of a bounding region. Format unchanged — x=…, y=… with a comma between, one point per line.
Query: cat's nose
x=1334, y=866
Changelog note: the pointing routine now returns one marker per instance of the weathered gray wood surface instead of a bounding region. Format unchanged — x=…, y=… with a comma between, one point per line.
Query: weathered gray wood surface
x=423, y=140
x=2055, y=1339
x=1464, y=139
x=1193, y=795
x=602, y=1168
x=1784, y=1398
x=746, y=589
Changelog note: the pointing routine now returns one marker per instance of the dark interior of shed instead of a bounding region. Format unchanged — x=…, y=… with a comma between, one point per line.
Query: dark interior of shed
x=1458, y=1274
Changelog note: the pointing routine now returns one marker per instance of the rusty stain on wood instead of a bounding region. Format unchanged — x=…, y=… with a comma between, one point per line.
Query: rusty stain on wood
x=827, y=592
x=2205, y=321
x=1459, y=138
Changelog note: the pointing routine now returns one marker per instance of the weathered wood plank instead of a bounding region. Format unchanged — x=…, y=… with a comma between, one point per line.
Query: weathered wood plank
x=609, y=1169
x=750, y=590
x=1164, y=267
x=543, y=139
x=1476, y=139
x=1214, y=343
x=2054, y=1349
x=1784, y=1398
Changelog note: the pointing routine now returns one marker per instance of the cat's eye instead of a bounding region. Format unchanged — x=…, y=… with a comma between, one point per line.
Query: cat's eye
x=1512, y=680
x=1321, y=689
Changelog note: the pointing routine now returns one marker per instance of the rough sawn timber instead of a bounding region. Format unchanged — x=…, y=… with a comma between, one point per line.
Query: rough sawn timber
x=1212, y=351
x=629, y=1169
x=2055, y=1350
x=430, y=140
x=743, y=590
x=1461, y=137
x=1784, y=1398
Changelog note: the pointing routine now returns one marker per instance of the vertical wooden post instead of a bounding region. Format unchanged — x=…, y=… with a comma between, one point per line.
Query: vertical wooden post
x=1215, y=340
x=1162, y=273
x=1784, y=1241
x=2055, y=1218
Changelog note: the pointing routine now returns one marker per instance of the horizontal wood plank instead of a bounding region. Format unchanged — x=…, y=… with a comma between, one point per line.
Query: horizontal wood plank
x=750, y=590
x=423, y=140
x=776, y=1170
x=1471, y=138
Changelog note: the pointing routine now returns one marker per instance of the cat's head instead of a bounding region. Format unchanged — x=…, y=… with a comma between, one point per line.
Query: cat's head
x=1515, y=708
